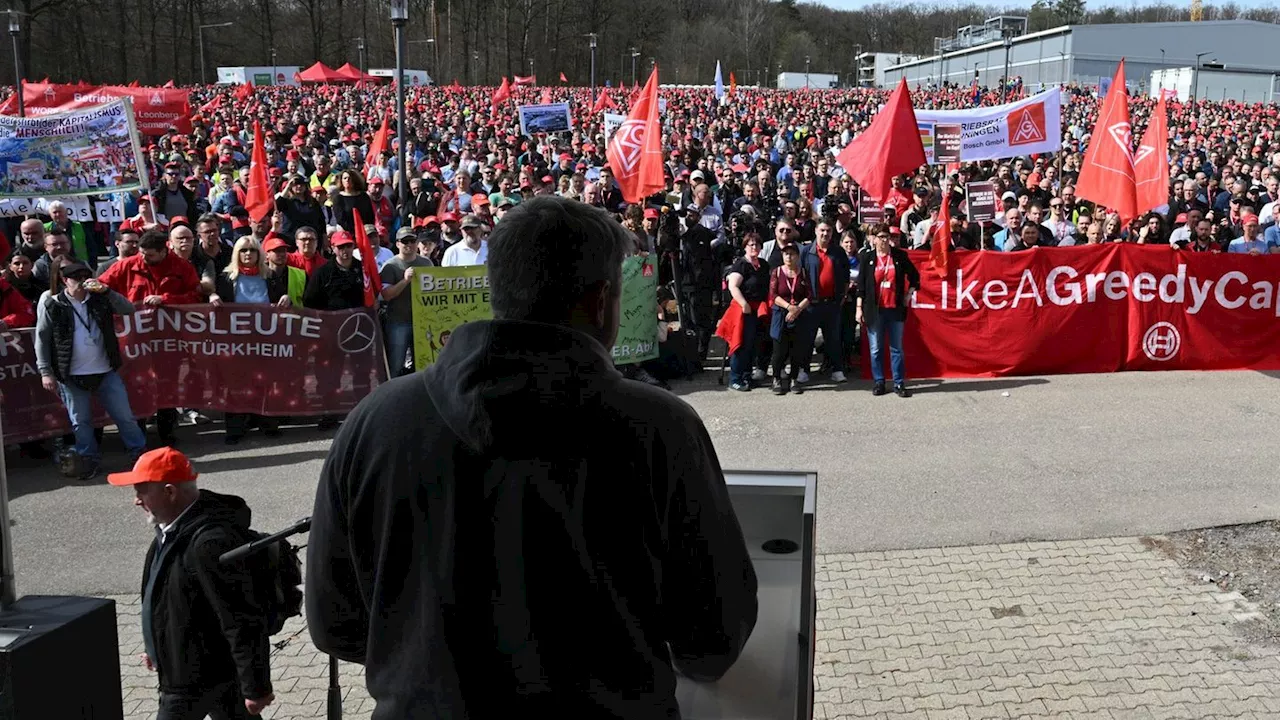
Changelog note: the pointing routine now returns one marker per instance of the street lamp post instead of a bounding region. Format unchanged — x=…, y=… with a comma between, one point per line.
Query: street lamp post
x=400, y=16
x=273, y=66
x=593, y=65
x=428, y=41
x=1008, y=86
x=806, y=72
x=15, y=27
x=360, y=53
x=857, y=65
x=203, y=73
x=634, y=54
x=1195, y=80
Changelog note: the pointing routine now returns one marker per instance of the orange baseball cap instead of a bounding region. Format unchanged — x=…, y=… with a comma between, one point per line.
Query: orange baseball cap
x=164, y=465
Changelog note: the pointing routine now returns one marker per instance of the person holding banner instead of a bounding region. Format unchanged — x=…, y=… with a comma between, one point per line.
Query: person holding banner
x=397, y=275
x=887, y=279
x=77, y=355
x=245, y=282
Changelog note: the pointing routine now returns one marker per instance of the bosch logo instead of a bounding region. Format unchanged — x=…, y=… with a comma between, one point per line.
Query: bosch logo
x=1161, y=342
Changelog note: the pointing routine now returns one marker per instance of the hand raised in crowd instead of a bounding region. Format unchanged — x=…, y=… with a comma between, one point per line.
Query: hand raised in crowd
x=153, y=301
x=408, y=274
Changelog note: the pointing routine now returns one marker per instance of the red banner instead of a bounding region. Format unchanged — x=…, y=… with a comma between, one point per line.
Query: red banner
x=155, y=109
x=1096, y=308
x=235, y=358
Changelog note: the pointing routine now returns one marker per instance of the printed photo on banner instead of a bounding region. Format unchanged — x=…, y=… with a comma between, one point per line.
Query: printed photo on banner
x=444, y=298
x=638, y=325
x=1028, y=126
x=612, y=121
x=551, y=118
x=82, y=152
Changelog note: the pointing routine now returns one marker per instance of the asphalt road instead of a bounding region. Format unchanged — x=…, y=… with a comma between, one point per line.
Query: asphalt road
x=960, y=463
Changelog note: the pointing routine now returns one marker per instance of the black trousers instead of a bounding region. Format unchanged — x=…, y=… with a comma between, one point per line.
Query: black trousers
x=237, y=424
x=166, y=423
x=702, y=318
x=223, y=702
x=789, y=347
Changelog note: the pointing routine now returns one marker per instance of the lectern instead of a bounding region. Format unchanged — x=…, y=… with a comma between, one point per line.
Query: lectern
x=773, y=680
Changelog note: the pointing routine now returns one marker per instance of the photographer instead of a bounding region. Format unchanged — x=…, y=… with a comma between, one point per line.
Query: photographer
x=700, y=278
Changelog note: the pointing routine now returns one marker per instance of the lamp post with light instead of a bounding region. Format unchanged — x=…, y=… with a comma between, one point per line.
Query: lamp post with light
x=1008, y=86
x=15, y=28
x=1195, y=83
x=593, y=65
x=400, y=16
x=203, y=74
x=634, y=54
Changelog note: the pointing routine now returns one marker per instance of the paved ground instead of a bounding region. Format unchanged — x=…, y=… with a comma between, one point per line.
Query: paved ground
x=959, y=464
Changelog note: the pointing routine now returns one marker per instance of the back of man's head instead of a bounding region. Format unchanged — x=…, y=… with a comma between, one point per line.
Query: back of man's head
x=549, y=256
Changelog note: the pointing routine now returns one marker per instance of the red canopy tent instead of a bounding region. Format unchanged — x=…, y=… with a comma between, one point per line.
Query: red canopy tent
x=321, y=73
x=351, y=73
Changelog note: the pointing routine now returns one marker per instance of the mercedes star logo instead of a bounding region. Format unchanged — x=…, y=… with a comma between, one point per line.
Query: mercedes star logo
x=356, y=333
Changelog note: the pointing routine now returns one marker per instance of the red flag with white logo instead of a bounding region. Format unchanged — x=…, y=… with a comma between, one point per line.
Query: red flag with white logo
x=1151, y=161
x=635, y=150
x=1106, y=177
x=259, y=200
x=368, y=260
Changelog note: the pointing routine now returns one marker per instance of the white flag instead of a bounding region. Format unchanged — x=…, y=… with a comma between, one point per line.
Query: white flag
x=719, y=83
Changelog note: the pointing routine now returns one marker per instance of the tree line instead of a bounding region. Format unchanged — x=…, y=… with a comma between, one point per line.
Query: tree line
x=480, y=41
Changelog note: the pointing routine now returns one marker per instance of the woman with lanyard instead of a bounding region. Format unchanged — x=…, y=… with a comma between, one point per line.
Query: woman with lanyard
x=245, y=281
x=789, y=288
x=886, y=278
x=749, y=287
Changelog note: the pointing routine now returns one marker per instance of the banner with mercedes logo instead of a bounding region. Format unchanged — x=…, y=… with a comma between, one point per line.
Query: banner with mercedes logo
x=234, y=358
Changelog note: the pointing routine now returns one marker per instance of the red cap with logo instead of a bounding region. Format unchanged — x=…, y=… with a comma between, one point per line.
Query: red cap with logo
x=163, y=465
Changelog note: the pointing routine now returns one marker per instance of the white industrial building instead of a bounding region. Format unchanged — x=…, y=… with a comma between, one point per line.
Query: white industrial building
x=872, y=66
x=1086, y=53
x=1213, y=83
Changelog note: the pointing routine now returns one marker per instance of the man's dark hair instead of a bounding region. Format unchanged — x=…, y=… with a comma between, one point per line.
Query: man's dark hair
x=209, y=218
x=125, y=230
x=153, y=240
x=547, y=252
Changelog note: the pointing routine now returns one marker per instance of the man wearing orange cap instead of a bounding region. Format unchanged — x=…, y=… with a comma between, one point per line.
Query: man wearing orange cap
x=203, y=629
x=1251, y=243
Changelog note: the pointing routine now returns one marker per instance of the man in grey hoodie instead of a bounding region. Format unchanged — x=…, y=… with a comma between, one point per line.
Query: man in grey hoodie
x=518, y=531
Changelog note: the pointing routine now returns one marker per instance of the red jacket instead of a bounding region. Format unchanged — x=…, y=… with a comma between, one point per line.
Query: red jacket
x=173, y=279
x=15, y=310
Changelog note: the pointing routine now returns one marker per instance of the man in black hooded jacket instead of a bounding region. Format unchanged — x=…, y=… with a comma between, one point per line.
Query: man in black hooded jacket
x=518, y=531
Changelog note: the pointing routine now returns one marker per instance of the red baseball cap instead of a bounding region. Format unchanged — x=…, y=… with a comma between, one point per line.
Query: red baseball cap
x=651, y=214
x=479, y=199
x=274, y=243
x=1248, y=219
x=164, y=465
x=341, y=237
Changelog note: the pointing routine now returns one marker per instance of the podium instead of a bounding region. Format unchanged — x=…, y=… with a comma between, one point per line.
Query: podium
x=773, y=679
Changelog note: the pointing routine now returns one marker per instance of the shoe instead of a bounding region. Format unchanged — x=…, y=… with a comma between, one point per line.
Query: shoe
x=901, y=391
x=757, y=375
x=878, y=390
x=327, y=423
x=740, y=387
x=778, y=387
x=797, y=388
x=232, y=439
x=194, y=417
x=89, y=471
x=803, y=377
x=838, y=377
x=273, y=432
x=68, y=463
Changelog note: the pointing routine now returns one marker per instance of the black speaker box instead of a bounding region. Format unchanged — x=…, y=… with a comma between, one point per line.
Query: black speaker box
x=60, y=660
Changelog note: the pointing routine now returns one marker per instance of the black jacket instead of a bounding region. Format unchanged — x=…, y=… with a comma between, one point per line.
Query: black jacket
x=206, y=626
x=332, y=287
x=55, y=330
x=905, y=276
x=520, y=532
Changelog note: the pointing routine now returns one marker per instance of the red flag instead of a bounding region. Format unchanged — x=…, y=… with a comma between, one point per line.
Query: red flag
x=604, y=102
x=501, y=95
x=1106, y=177
x=368, y=260
x=456, y=85
x=891, y=146
x=244, y=92
x=940, y=246
x=529, y=80
x=169, y=85
x=258, y=201
x=563, y=79
x=378, y=145
x=635, y=150
x=1151, y=161
x=134, y=84
x=212, y=105
x=733, y=83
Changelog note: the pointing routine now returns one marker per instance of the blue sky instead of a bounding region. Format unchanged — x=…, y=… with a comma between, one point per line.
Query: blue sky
x=852, y=4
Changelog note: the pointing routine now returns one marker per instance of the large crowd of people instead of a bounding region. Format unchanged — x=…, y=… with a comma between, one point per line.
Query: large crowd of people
x=756, y=211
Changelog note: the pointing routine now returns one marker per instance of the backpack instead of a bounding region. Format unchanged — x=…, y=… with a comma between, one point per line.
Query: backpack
x=276, y=571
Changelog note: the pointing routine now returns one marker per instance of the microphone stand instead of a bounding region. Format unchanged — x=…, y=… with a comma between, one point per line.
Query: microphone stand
x=303, y=525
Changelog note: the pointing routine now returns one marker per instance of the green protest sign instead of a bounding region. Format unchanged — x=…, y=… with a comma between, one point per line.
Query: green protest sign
x=638, y=329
